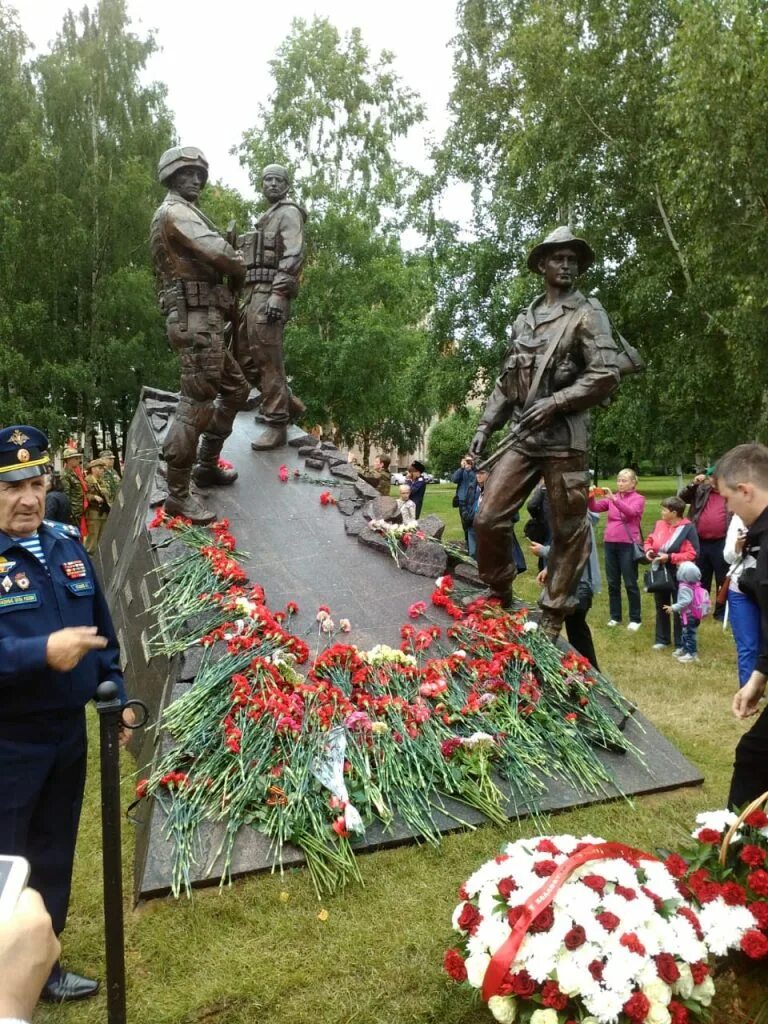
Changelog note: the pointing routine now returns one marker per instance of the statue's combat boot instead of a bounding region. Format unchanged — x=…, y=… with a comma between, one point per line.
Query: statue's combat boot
x=207, y=471
x=181, y=503
x=550, y=624
x=296, y=410
x=274, y=436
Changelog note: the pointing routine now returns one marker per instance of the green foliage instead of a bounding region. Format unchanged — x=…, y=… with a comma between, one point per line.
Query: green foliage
x=80, y=136
x=357, y=346
x=641, y=120
x=448, y=441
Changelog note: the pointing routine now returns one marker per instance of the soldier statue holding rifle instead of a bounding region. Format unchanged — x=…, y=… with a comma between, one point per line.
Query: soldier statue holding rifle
x=561, y=361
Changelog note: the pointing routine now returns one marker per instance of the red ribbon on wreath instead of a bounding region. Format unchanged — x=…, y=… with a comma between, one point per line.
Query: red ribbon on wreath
x=504, y=956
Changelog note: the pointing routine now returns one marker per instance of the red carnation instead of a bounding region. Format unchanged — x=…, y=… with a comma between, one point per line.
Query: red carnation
x=547, y=846
x=754, y=944
x=733, y=894
x=675, y=865
x=463, y=894
x=552, y=997
x=575, y=937
x=595, y=882
x=709, y=836
x=522, y=984
x=692, y=919
x=544, y=868
x=470, y=918
x=626, y=892
x=596, y=969
x=631, y=942
x=758, y=882
x=608, y=920
x=453, y=965
x=678, y=1013
x=757, y=819
x=760, y=914
x=699, y=971
x=753, y=856
x=141, y=788
x=666, y=968
x=507, y=886
x=637, y=1007
x=543, y=922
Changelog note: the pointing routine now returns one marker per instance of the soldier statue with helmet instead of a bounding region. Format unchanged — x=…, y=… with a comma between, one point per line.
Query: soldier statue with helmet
x=274, y=256
x=562, y=361
x=193, y=261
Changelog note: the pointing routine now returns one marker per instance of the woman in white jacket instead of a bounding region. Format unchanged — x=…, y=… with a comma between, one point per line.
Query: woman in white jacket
x=743, y=612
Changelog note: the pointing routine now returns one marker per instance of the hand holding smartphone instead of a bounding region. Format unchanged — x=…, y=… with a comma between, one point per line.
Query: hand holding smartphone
x=14, y=875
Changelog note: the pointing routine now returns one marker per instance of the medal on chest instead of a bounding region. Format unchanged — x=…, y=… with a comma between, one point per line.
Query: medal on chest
x=21, y=580
x=74, y=570
x=6, y=583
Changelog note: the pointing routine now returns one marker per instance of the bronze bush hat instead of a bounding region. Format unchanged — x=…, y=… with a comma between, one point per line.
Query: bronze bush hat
x=559, y=238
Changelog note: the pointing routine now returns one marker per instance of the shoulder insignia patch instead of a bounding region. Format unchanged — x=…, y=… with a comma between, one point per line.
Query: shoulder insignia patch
x=63, y=529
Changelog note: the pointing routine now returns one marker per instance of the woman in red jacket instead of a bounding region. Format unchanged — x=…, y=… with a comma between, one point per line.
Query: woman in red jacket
x=673, y=540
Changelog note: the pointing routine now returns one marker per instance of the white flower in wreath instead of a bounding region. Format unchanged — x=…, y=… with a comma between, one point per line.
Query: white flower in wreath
x=658, y=991
x=723, y=926
x=548, y=1016
x=605, y=1004
x=621, y=970
x=704, y=992
x=503, y=1008
x=658, y=1014
x=684, y=985
x=476, y=967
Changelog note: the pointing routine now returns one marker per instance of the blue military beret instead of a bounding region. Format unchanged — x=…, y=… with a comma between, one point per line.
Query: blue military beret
x=23, y=453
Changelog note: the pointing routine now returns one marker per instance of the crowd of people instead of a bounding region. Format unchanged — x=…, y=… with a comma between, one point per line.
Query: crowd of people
x=83, y=497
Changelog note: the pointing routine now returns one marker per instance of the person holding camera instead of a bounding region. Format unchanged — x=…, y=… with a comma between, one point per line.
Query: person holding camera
x=622, y=536
x=28, y=950
x=465, y=497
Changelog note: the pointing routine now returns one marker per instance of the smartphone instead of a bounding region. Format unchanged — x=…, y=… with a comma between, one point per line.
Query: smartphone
x=14, y=875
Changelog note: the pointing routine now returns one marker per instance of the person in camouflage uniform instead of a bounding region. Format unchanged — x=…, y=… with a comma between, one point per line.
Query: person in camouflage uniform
x=274, y=256
x=98, y=504
x=191, y=259
x=110, y=481
x=74, y=486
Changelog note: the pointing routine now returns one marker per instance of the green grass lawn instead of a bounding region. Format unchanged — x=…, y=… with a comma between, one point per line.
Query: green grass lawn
x=258, y=954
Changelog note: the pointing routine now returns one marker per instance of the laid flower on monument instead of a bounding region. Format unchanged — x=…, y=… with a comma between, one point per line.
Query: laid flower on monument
x=283, y=473
x=726, y=875
x=557, y=929
x=326, y=498
x=397, y=535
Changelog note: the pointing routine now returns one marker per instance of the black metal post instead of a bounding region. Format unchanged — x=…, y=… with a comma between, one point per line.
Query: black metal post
x=110, y=712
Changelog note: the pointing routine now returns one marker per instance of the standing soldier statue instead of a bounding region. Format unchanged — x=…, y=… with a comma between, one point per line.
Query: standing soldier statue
x=561, y=361
x=274, y=256
x=191, y=260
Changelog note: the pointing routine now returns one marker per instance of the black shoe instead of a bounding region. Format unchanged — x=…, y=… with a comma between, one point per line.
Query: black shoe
x=67, y=987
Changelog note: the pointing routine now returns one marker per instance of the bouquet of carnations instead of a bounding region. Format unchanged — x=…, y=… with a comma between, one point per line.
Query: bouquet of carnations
x=726, y=876
x=557, y=930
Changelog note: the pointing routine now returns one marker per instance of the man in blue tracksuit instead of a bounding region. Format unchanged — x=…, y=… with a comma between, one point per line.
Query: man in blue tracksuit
x=57, y=643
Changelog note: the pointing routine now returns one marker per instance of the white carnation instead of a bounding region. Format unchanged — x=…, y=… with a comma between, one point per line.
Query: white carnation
x=658, y=991
x=476, y=966
x=503, y=1008
x=605, y=1004
x=684, y=984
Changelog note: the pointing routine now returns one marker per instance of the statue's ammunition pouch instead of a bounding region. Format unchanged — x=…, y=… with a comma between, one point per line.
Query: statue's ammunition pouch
x=183, y=296
x=262, y=251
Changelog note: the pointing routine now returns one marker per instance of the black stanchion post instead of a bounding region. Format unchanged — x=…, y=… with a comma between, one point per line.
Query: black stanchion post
x=110, y=712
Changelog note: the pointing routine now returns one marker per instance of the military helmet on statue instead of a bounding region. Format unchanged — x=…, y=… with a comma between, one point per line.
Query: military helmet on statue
x=178, y=157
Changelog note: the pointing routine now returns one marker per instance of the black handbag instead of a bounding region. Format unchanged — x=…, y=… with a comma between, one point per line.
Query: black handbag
x=660, y=578
x=638, y=551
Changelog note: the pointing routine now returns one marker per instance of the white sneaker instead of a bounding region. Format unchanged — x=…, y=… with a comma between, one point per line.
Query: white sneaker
x=634, y=626
x=613, y=622
x=659, y=647
x=684, y=659
x=678, y=652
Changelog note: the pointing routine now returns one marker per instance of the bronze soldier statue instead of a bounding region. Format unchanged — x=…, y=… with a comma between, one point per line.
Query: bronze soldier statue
x=561, y=361
x=274, y=256
x=191, y=260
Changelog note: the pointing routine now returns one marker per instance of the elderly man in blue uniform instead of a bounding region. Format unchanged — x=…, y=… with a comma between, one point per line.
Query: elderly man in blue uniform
x=57, y=643
x=561, y=361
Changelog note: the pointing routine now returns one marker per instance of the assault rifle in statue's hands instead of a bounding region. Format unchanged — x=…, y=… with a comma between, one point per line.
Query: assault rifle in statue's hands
x=234, y=287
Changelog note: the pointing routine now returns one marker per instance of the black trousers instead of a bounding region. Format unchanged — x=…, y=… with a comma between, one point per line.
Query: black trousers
x=750, y=766
x=663, y=631
x=712, y=563
x=42, y=778
x=577, y=628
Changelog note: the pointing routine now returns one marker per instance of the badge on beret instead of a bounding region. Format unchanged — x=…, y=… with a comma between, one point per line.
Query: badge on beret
x=74, y=570
x=6, y=584
x=18, y=438
x=21, y=580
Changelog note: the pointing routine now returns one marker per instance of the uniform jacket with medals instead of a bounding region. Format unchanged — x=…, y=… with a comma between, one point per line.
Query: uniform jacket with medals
x=582, y=372
x=191, y=257
x=274, y=254
x=35, y=603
